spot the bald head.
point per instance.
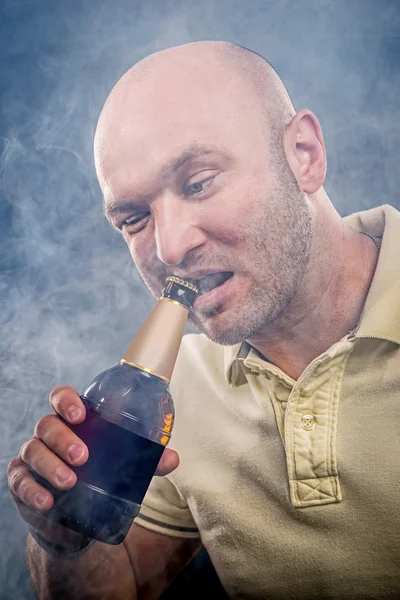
(249, 70)
(197, 157)
(200, 77)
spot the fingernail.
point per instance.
(74, 413)
(75, 452)
(41, 498)
(63, 474)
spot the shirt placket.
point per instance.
(306, 413)
(310, 425)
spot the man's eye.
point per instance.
(197, 187)
(134, 222)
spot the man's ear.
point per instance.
(305, 151)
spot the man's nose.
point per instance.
(176, 231)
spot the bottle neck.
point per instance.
(156, 345)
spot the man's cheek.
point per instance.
(153, 272)
(140, 255)
(143, 251)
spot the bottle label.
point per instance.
(120, 462)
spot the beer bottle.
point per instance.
(129, 419)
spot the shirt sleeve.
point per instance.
(165, 511)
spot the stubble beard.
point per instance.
(279, 245)
(279, 241)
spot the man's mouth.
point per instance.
(211, 281)
(213, 288)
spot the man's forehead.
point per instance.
(172, 86)
(151, 118)
(149, 139)
(118, 183)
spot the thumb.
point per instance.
(168, 462)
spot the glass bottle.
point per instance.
(129, 419)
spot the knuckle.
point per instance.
(43, 425)
(15, 462)
(18, 482)
(27, 449)
(60, 394)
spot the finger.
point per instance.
(66, 402)
(169, 462)
(34, 515)
(60, 439)
(25, 489)
(48, 465)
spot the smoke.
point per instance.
(70, 297)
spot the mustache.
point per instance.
(155, 272)
(197, 261)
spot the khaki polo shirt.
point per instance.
(294, 486)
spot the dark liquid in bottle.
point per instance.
(111, 484)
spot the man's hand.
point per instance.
(49, 452)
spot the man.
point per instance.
(287, 406)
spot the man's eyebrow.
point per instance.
(122, 207)
(192, 152)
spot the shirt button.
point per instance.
(308, 421)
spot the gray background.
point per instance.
(70, 297)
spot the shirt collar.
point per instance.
(233, 363)
(381, 314)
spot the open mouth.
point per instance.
(212, 281)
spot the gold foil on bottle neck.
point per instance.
(156, 345)
(142, 368)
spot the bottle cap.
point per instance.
(179, 290)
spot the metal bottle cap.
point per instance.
(180, 290)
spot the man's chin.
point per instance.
(217, 326)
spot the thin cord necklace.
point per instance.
(377, 243)
(374, 239)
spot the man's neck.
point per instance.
(328, 306)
